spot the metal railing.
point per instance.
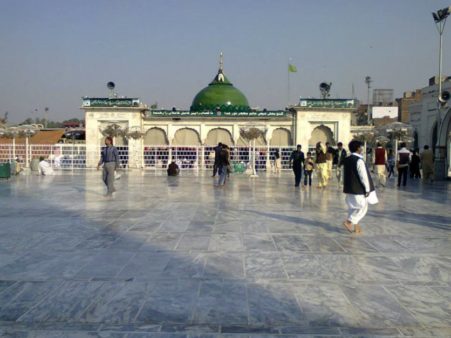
(74, 156)
(203, 157)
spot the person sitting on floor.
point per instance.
(173, 169)
(45, 167)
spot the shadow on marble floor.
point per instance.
(440, 222)
(158, 259)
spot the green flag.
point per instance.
(292, 68)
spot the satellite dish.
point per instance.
(324, 88)
(110, 85)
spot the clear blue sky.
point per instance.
(54, 52)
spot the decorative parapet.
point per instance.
(215, 114)
(327, 104)
(111, 102)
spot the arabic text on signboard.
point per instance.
(169, 113)
(327, 103)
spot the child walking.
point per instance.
(308, 169)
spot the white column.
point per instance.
(26, 152)
(202, 157)
(14, 148)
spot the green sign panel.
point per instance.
(110, 102)
(170, 113)
(328, 103)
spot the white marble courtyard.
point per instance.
(180, 258)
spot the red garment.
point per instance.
(380, 156)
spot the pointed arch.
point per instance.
(155, 136)
(259, 142)
(281, 137)
(186, 137)
(322, 134)
(217, 135)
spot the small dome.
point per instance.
(220, 94)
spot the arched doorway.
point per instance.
(259, 142)
(186, 137)
(154, 155)
(434, 137)
(415, 140)
(155, 136)
(219, 135)
(321, 134)
(281, 137)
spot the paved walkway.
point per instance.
(178, 258)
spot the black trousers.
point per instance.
(308, 175)
(402, 174)
(297, 176)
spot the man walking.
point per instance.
(403, 161)
(358, 186)
(330, 152)
(217, 151)
(321, 166)
(297, 162)
(380, 163)
(340, 155)
(110, 160)
(427, 163)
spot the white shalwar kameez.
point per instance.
(358, 204)
(45, 168)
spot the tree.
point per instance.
(4, 119)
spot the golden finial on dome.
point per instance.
(220, 76)
(221, 61)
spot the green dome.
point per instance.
(221, 94)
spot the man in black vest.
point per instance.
(357, 186)
(297, 162)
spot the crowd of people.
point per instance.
(352, 171)
(383, 164)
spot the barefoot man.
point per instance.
(358, 186)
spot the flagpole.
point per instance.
(288, 93)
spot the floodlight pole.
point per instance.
(440, 166)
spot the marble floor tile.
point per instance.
(325, 305)
(322, 244)
(273, 304)
(21, 296)
(291, 243)
(224, 265)
(222, 303)
(145, 265)
(258, 242)
(170, 301)
(120, 303)
(185, 267)
(67, 303)
(355, 245)
(226, 242)
(264, 265)
(426, 305)
(257, 259)
(105, 264)
(193, 242)
(162, 241)
(377, 307)
(323, 267)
